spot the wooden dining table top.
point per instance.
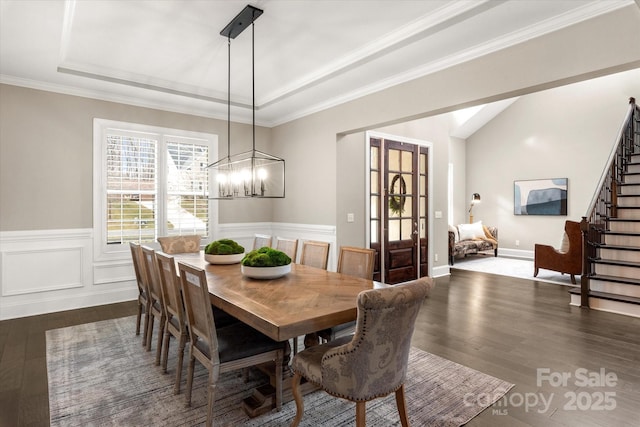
(306, 300)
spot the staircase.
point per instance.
(611, 231)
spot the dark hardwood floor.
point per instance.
(506, 327)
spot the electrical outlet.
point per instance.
(435, 257)
(517, 242)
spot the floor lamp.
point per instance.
(475, 198)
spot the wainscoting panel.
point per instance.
(40, 270)
(46, 271)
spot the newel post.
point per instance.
(584, 278)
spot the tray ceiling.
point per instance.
(309, 55)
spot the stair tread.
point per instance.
(603, 278)
(620, 247)
(615, 262)
(622, 233)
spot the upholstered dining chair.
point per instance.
(224, 349)
(565, 260)
(315, 254)
(156, 306)
(176, 322)
(373, 362)
(180, 244)
(143, 292)
(288, 246)
(261, 240)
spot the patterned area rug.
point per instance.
(514, 267)
(100, 375)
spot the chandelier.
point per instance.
(251, 174)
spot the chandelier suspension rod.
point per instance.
(229, 98)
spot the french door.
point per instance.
(398, 209)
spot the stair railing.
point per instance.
(604, 204)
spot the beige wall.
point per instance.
(46, 138)
(566, 132)
(46, 156)
(576, 53)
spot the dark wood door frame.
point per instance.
(407, 257)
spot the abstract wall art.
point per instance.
(540, 197)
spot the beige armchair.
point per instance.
(373, 362)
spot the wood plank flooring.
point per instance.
(502, 326)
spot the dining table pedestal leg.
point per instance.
(263, 399)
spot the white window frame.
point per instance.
(102, 251)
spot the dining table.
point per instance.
(302, 301)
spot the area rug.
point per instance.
(514, 267)
(99, 375)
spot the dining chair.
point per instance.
(288, 246)
(180, 244)
(156, 305)
(261, 240)
(357, 262)
(143, 292)
(315, 254)
(224, 349)
(373, 362)
(175, 318)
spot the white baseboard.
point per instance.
(515, 253)
(441, 271)
(601, 304)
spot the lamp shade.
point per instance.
(475, 198)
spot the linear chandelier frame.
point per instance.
(251, 174)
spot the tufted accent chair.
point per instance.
(373, 362)
(180, 244)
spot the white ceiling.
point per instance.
(309, 55)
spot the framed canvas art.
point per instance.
(540, 197)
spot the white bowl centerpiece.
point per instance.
(265, 263)
(223, 251)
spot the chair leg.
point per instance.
(402, 406)
(297, 395)
(535, 272)
(192, 362)
(361, 414)
(211, 395)
(150, 331)
(181, 345)
(295, 345)
(145, 329)
(160, 337)
(165, 349)
(138, 318)
(573, 279)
